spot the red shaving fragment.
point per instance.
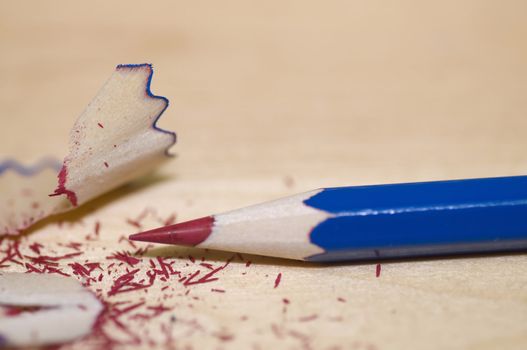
(128, 309)
(56, 270)
(142, 251)
(35, 247)
(158, 310)
(248, 263)
(106, 164)
(80, 270)
(133, 223)
(109, 318)
(137, 221)
(32, 268)
(96, 230)
(206, 278)
(342, 300)
(286, 303)
(308, 318)
(86, 270)
(191, 258)
(170, 220)
(46, 259)
(125, 257)
(302, 337)
(73, 245)
(100, 125)
(125, 239)
(207, 265)
(224, 336)
(165, 268)
(188, 280)
(124, 283)
(94, 265)
(15, 247)
(61, 188)
(277, 280)
(378, 270)
(11, 253)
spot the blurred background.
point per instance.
(340, 92)
(269, 98)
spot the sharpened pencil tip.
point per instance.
(188, 233)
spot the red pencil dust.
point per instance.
(170, 220)
(308, 318)
(133, 223)
(35, 247)
(124, 257)
(119, 274)
(277, 280)
(207, 265)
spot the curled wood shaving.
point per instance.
(60, 309)
(114, 141)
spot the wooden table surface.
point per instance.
(273, 98)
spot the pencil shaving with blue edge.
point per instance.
(115, 140)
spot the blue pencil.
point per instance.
(369, 222)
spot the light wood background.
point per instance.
(271, 98)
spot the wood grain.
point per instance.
(273, 98)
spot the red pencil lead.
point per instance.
(186, 233)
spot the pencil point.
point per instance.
(188, 233)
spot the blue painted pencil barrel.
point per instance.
(421, 219)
